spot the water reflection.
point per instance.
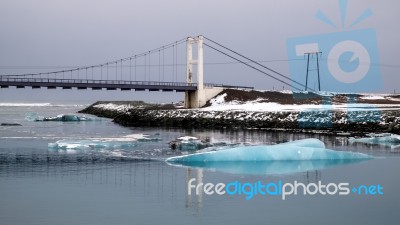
(194, 201)
(153, 179)
(268, 167)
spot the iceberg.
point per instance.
(386, 139)
(90, 144)
(290, 157)
(68, 118)
(62, 117)
(308, 149)
(188, 143)
(125, 142)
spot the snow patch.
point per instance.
(220, 99)
(114, 107)
(373, 97)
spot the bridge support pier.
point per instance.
(199, 97)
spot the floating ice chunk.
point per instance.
(387, 139)
(187, 138)
(33, 116)
(124, 142)
(61, 117)
(188, 143)
(133, 137)
(291, 157)
(68, 118)
(309, 149)
(90, 144)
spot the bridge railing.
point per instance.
(33, 81)
(83, 81)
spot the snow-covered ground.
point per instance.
(114, 107)
(260, 105)
(276, 107)
(269, 110)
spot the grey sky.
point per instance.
(78, 32)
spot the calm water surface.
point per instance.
(134, 185)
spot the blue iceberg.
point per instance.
(291, 157)
(386, 139)
(308, 149)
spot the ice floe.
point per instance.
(124, 142)
(62, 117)
(188, 143)
(386, 139)
(290, 157)
(308, 149)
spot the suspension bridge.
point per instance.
(153, 70)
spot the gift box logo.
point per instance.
(349, 61)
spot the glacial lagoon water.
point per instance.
(104, 177)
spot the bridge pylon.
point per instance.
(198, 98)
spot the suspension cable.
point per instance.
(251, 66)
(255, 62)
(102, 64)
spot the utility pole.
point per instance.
(308, 68)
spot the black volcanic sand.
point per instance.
(158, 115)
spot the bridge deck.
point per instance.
(5, 82)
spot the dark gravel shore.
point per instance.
(141, 114)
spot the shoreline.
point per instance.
(307, 112)
(138, 116)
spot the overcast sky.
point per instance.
(64, 33)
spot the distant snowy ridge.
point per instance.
(25, 104)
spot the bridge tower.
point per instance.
(198, 98)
